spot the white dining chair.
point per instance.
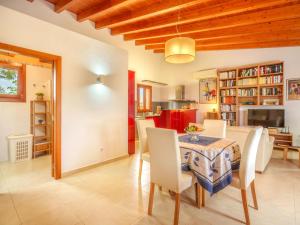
(214, 128)
(246, 175)
(165, 166)
(144, 152)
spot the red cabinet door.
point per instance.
(131, 112)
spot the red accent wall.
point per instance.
(131, 112)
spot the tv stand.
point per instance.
(284, 141)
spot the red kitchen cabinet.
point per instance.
(177, 119)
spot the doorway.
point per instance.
(54, 103)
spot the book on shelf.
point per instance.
(251, 92)
(228, 100)
(249, 72)
(227, 75)
(228, 108)
(249, 81)
(271, 79)
(228, 92)
(271, 91)
(227, 83)
(269, 69)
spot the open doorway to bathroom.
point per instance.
(29, 116)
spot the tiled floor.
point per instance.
(112, 195)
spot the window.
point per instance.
(12, 83)
(144, 98)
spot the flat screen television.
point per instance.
(266, 117)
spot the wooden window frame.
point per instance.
(145, 87)
(21, 96)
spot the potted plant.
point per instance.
(39, 96)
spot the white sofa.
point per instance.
(265, 148)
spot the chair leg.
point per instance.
(254, 195)
(299, 156)
(203, 196)
(177, 209)
(198, 195)
(285, 153)
(141, 169)
(245, 206)
(151, 196)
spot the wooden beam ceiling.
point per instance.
(214, 24)
(193, 14)
(156, 8)
(61, 5)
(249, 18)
(283, 26)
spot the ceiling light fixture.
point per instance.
(180, 49)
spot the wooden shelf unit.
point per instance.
(249, 85)
(40, 118)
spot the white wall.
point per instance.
(15, 117)
(93, 116)
(183, 74)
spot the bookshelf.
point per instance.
(41, 126)
(250, 85)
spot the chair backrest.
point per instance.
(214, 128)
(165, 159)
(141, 127)
(248, 158)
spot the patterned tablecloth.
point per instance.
(212, 160)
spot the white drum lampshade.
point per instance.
(180, 50)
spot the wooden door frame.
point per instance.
(55, 100)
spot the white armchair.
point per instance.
(265, 148)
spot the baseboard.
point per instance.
(72, 172)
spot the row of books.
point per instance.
(228, 108)
(227, 83)
(248, 72)
(271, 79)
(228, 100)
(249, 81)
(228, 116)
(228, 92)
(271, 69)
(228, 75)
(270, 91)
(247, 92)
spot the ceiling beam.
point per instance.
(158, 7)
(275, 26)
(272, 44)
(266, 15)
(197, 13)
(61, 5)
(267, 37)
(103, 8)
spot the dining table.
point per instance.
(211, 160)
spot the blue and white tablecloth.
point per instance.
(212, 160)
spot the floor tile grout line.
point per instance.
(13, 202)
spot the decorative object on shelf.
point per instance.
(208, 91)
(180, 49)
(293, 89)
(39, 96)
(271, 102)
(40, 121)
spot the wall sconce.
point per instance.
(99, 79)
